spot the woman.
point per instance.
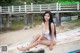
(48, 34)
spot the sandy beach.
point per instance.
(15, 37)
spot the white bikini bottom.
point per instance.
(49, 37)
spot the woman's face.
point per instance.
(47, 17)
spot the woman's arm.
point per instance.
(52, 38)
(52, 30)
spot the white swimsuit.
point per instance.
(47, 35)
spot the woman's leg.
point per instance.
(42, 42)
(28, 47)
(45, 42)
(35, 43)
(35, 38)
(32, 44)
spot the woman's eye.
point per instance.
(47, 16)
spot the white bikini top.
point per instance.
(46, 32)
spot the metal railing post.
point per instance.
(57, 6)
(31, 6)
(0, 9)
(8, 9)
(19, 8)
(25, 7)
(12, 8)
(77, 5)
(40, 8)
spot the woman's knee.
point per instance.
(44, 42)
(38, 35)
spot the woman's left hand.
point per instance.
(51, 47)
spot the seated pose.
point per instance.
(48, 35)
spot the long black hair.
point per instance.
(50, 21)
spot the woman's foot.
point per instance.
(23, 49)
(51, 47)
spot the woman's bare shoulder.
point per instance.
(52, 24)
